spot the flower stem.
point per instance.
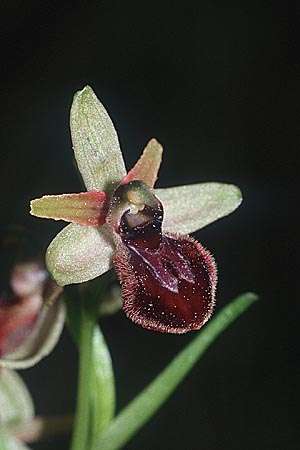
(144, 406)
(82, 417)
(103, 386)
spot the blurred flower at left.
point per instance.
(31, 310)
(16, 411)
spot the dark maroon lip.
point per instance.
(171, 290)
(168, 281)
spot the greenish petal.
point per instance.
(95, 142)
(85, 208)
(41, 341)
(189, 208)
(147, 167)
(79, 253)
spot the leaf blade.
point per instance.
(103, 401)
(140, 410)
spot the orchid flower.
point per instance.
(168, 279)
(31, 316)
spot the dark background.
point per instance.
(218, 84)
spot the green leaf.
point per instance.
(189, 208)
(142, 408)
(95, 142)
(96, 387)
(80, 435)
(16, 406)
(103, 385)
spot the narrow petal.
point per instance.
(95, 142)
(147, 167)
(85, 208)
(79, 254)
(41, 341)
(189, 208)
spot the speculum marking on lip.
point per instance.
(168, 281)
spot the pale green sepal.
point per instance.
(189, 208)
(8, 442)
(41, 341)
(95, 142)
(16, 406)
(79, 253)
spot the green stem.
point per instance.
(144, 406)
(82, 417)
(3, 441)
(103, 386)
(96, 405)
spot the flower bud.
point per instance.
(31, 316)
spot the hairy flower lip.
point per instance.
(84, 250)
(165, 320)
(168, 281)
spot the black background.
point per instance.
(218, 84)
